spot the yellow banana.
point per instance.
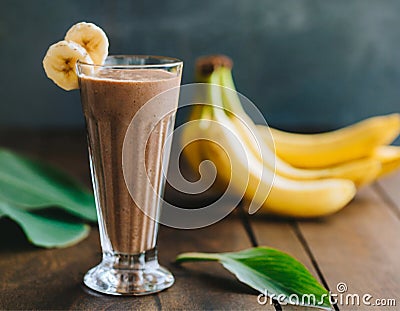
(326, 149)
(189, 140)
(383, 161)
(389, 156)
(250, 170)
(250, 176)
(361, 172)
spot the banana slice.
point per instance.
(92, 38)
(59, 63)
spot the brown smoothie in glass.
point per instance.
(110, 100)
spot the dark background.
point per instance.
(307, 64)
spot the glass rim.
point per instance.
(170, 62)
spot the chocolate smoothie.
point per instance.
(110, 99)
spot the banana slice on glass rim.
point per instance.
(59, 63)
(85, 42)
(92, 38)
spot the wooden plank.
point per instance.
(206, 285)
(282, 235)
(360, 247)
(33, 278)
(389, 187)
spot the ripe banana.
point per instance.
(250, 170)
(192, 146)
(92, 38)
(85, 42)
(353, 142)
(252, 177)
(59, 63)
(301, 199)
(361, 172)
(389, 156)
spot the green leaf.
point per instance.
(270, 271)
(46, 232)
(31, 184)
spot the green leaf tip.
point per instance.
(31, 184)
(27, 186)
(270, 272)
(46, 232)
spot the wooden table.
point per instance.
(359, 246)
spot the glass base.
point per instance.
(124, 274)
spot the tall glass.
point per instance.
(111, 95)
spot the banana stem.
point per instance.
(214, 92)
(231, 97)
(217, 70)
(225, 97)
(204, 109)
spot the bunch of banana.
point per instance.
(244, 154)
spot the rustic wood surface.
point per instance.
(359, 246)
